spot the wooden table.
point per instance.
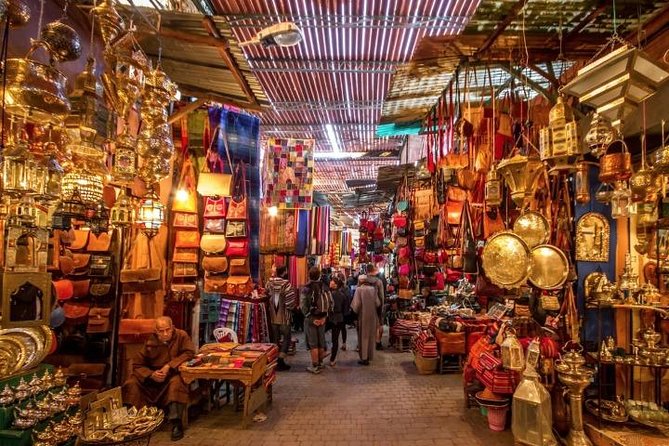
(249, 376)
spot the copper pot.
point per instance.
(615, 166)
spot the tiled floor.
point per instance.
(387, 403)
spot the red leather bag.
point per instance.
(215, 207)
(237, 248)
(400, 221)
(237, 209)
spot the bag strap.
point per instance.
(239, 191)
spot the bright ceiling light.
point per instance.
(282, 34)
(332, 137)
(337, 155)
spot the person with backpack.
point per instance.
(316, 304)
(282, 302)
(366, 303)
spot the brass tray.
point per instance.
(592, 405)
(533, 228)
(550, 267)
(32, 339)
(12, 355)
(506, 260)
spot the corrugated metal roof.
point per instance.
(341, 72)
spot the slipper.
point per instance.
(259, 417)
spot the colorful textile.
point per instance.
(289, 173)
(247, 319)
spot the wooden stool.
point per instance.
(450, 363)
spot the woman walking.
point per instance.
(365, 303)
(340, 304)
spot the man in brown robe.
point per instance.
(155, 380)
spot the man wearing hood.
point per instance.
(374, 280)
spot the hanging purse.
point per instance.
(183, 220)
(235, 228)
(99, 320)
(146, 279)
(215, 207)
(237, 210)
(240, 267)
(64, 289)
(81, 262)
(186, 202)
(76, 312)
(80, 288)
(185, 292)
(80, 239)
(237, 248)
(213, 243)
(214, 225)
(184, 269)
(187, 239)
(214, 284)
(100, 289)
(213, 182)
(99, 243)
(185, 255)
(100, 266)
(469, 263)
(215, 264)
(239, 286)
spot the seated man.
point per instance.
(155, 380)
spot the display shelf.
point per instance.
(595, 355)
(664, 311)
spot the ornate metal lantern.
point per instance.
(124, 166)
(558, 143)
(89, 186)
(513, 357)
(616, 83)
(99, 220)
(69, 208)
(151, 214)
(582, 182)
(600, 134)
(123, 211)
(520, 173)
(19, 170)
(493, 188)
(532, 422)
(621, 201)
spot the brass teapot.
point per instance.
(6, 396)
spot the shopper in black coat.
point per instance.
(341, 306)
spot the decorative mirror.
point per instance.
(26, 299)
(593, 233)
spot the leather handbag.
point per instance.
(99, 243)
(213, 182)
(64, 289)
(186, 255)
(214, 284)
(235, 229)
(135, 331)
(184, 292)
(184, 220)
(423, 203)
(101, 266)
(238, 286)
(80, 240)
(237, 210)
(142, 279)
(237, 248)
(81, 262)
(66, 262)
(215, 264)
(80, 288)
(186, 202)
(215, 207)
(76, 311)
(99, 320)
(240, 267)
(184, 269)
(214, 225)
(187, 239)
(100, 289)
(213, 243)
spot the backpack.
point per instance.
(321, 301)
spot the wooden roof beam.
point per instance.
(529, 82)
(210, 26)
(500, 28)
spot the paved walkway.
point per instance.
(387, 403)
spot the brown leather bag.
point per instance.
(81, 262)
(80, 239)
(187, 239)
(76, 311)
(146, 279)
(135, 331)
(239, 286)
(186, 255)
(98, 320)
(215, 264)
(214, 284)
(240, 267)
(80, 288)
(99, 243)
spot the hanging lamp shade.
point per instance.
(89, 186)
(520, 172)
(617, 83)
(559, 141)
(123, 212)
(151, 214)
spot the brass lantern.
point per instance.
(582, 182)
(617, 83)
(151, 214)
(124, 166)
(89, 186)
(558, 143)
(513, 357)
(600, 134)
(532, 419)
(123, 211)
(19, 170)
(99, 220)
(621, 201)
(520, 173)
(493, 187)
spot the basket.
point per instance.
(426, 366)
(497, 418)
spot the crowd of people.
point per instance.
(327, 302)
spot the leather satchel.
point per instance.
(100, 289)
(235, 229)
(215, 207)
(215, 264)
(99, 243)
(237, 210)
(184, 291)
(214, 284)
(81, 262)
(99, 320)
(135, 331)
(142, 280)
(213, 182)
(76, 311)
(100, 266)
(187, 239)
(64, 289)
(184, 269)
(240, 267)
(213, 243)
(80, 239)
(214, 225)
(80, 288)
(239, 286)
(237, 248)
(184, 220)
(186, 255)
